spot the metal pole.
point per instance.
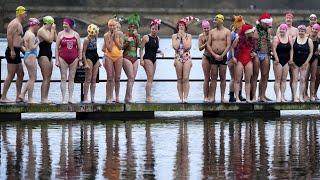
(0, 77)
(81, 93)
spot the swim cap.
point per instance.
(156, 22)
(302, 28)
(20, 10)
(219, 18)
(48, 20)
(316, 26)
(283, 27)
(33, 22)
(313, 17)
(205, 24)
(69, 21)
(93, 29)
(134, 20)
(112, 22)
(289, 15)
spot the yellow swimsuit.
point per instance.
(115, 53)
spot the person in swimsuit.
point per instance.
(113, 59)
(312, 71)
(312, 21)
(68, 53)
(219, 43)
(91, 61)
(292, 32)
(302, 54)
(181, 43)
(206, 67)
(30, 58)
(150, 43)
(262, 60)
(238, 21)
(283, 53)
(244, 46)
(131, 44)
(12, 54)
(47, 34)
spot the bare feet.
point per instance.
(20, 98)
(248, 101)
(5, 100)
(266, 98)
(31, 102)
(86, 102)
(71, 101)
(278, 100)
(238, 100)
(283, 99)
(296, 99)
(302, 99)
(223, 101)
(306, 98)
(46, 101)
(149, 100)
(313, 99)
(206, 100)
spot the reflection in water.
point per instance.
(231, 149)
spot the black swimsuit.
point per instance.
(283, 52)
(17, 59)
(300, 53)
(45, 50)
(152, 47)
(91, 52)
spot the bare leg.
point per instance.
(277, 68)
(128, 69)
(72, 73)
(238, 78)
(185, 79)
(213, 83)
(206, 71)
(46, 71)
(248, 71)
(117, 76)
(265, 68)
(283, 85)
(150, 69)
(87, 80)
(303, 80)
(31, 64)
(317, 82)
(12, 69)
(20, 75)
(295, 74)
(254, 80)
(108, 65)
(95, 71)
(313, 72)
(222, 76)
(291, 82)
(63, 86)
(232, 68)
(179, 71)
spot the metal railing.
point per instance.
(121, 80)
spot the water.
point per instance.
(194, 148)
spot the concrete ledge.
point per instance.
(115, 115)
(287, 106)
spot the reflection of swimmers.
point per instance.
(91, 61)
(30, 58)
(283, 53)
(131, 44)
(181, 43)
(68, 53)
(202, 41)
(113, 59)
(262, 60)
(148, 59)
(219, 43)
(14, 66)
(244, 45)
(302, 53)
(46, 34)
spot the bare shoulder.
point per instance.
(227, 30)
(174, 35)
(189, 35)
(145, 38)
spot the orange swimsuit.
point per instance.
(115, 53)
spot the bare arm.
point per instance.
(228, 38)
(310, 50)
(187, 42)
(84, 49)
(11, 31)
(274, 48)
(57, 49)
(175, 41)
(145, 39)
(118, 39)
(291, 50)
(79, 46)
(201, 43)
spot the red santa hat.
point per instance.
(247, 28)
(265, 18)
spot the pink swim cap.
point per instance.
(33, 22)
(316, 27)
(205, 24)
(302, 28)
(283, 27)
(69, 21)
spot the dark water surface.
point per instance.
(193, 148)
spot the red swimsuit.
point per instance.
(245, 48)
(68, 49)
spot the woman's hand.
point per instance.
(142, 62)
